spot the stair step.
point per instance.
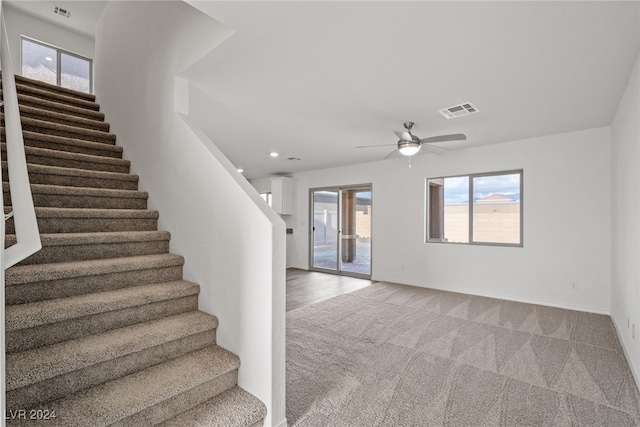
(79, 197)
(52, 105)
(58, 129)
(44, 156)
(66, 119)
(62, 247)
(26, 89)
(38, 282)
(150, 396)
(60, 143)
(68, 220)
(68, 177)
(234, 407)
(48, 322)
(48, 373)
(53, 88)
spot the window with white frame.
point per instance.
(55, 66)
(475, 209)
(266, 197)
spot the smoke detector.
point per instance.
(458, 110)
(62, 12)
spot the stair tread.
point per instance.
(42, 363)
(49, 105)
(21, 274)
(45, 152)
(116, 400)
(54, 88)
(234, 407)
(83, 173)
(23, 316)
(97, 238)
(68, 141)
(83, 191)
(74, 130)
(59, 97)
(51, 212)
(63, 140)
(55, 117)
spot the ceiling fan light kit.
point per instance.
(410, 144)
(408, 148)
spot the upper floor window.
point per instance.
(55, 66)
(476, 209)
(267, 198)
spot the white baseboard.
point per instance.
(507, 298)
(634, 368)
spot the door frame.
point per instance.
(339, 270)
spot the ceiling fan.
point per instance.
(410, 144)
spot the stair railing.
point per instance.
(24, 215)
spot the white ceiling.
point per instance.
(314, 80)
(84, 14)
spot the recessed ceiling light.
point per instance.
(274, 154)
(240, 170)
(48, 58)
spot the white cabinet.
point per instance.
(282, 195)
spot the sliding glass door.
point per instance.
(341, 230)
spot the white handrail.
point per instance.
(24, 216)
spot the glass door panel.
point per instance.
(356, 231)
(341, 230)
(325, 230)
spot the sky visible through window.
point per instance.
(456, 189)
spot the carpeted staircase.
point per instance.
(100, 327)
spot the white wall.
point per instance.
(625, 289)
(21, 24)
(232, 242)
(567, 220)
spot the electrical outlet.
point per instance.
(573, 286)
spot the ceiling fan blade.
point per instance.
(403, 135)
(373, 146)
(431, 149)
(442, 138)
(393, 154)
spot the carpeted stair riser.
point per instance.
(65, 119)
(94, 314)
(31, 283)
(153, 395)
(233, 407)
(36, 395)
(183, 402)
(62, 220)
(79, 197)
(55, 89)
(48, 175)
(58, 107)
(56, 129)
(26, 89)
(58, 143)
(43, 156)
(56, 371)
(67, 177)
(82, 247)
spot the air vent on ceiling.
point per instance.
(293, 158)
(458, 110)
(62, 12)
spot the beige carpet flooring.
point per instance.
(394, 355)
